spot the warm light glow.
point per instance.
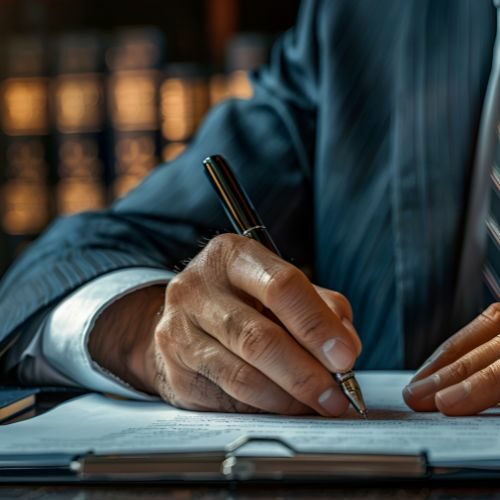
(79, 102)
(77, 195)
(133, 100)
(183, 104)
(25, 102)
(239, 85)
(25, 209)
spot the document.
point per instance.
(96, 423)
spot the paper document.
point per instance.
(103, 425)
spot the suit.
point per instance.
(357, 149)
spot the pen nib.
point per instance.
(352, 391)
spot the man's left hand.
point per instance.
(463, 376)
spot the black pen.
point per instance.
(247, 222)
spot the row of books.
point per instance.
(85, 117)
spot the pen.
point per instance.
(247, 222)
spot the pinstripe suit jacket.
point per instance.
(357, 149)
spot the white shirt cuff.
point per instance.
(66, 331)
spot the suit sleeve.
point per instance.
(269, 140)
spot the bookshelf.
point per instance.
(94, 95)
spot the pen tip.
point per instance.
(364, 414)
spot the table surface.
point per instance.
(395, 492)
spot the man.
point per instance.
(358, 148)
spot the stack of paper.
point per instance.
(102, 425)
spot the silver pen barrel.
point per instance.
(350, 387)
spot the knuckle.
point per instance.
(221, 244)
(169, 323)
(281, 280)
(491, 349)
(304, 387)
(493, 312)
(495, 307)
(450, 350)
(174, 339)
(220, 252)
(178, 289)
(310, 327)
(159, 335)
(495, 345)
(461, 369)
(490, 377)
(230, 322)
(241, 380)
(343, 303)
(162, 331)
(256, 340)
(216, 244)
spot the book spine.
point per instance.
(134, 61)
(78, 103)
(184, 101)
(26, 200)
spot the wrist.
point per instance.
(140, 359)
(121, 336)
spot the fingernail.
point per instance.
(454, 394)
(331, 402)
(339, 355)
(423, 387)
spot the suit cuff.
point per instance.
(66, 331)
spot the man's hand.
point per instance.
(241, 330)
(463, 376)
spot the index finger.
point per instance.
(286, 291)
(477, 332)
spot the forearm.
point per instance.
(122, 334)
(55, 351)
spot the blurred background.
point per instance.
(94, 94)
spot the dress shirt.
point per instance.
(58, 353)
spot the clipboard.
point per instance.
(226, 466)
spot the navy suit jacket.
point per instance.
(357, 148)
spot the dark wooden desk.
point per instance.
(401, 492)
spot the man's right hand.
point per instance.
(240, 330)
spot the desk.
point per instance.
(396, 492)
